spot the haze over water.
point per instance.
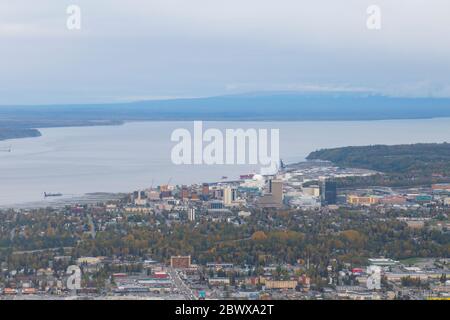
(136, 155)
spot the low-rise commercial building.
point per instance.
(180, 262)
(218, 281)
(362, 200)
(281, 284)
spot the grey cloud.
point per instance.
(169, 48)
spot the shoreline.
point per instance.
(87, 198)
(23, 131)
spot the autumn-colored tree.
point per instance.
(259, 236)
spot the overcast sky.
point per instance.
(147, 49)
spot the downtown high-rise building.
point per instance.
(276, 190)
(328, 192)
(274, 197)
(229, 196)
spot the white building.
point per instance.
(305, 202)
(313, 191)
(191, 214)
(244, 214)
(257, 181)
(447, 201)
(229, 196)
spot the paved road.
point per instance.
(181, 285)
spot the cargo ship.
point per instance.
(52, 194)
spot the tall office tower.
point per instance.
(233, 195)
(276, 190)
(227, 196)
(191, 214)
(328, 192)
(274, 198)
(184, 192)
(205, 189)
(205, 192)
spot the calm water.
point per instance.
(136, 155)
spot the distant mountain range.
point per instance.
(267, 106)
